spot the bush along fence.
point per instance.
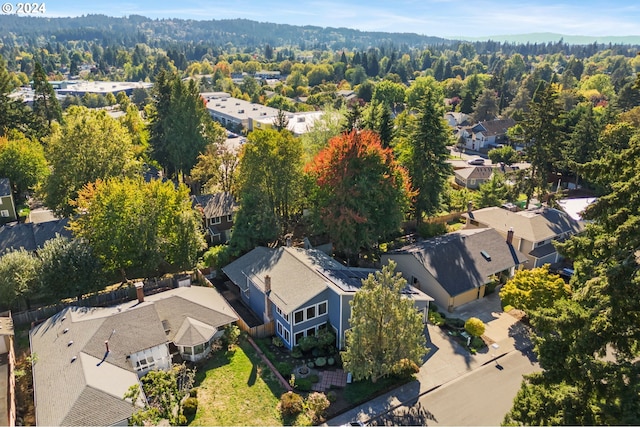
(106, 299)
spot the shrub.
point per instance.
(311, 365)
(332, 396)
(290, 403)
(296, 352)
(193, 392)
(436, 318)
(507, 308)
(190, 406)
(217, 256)
(326, 337)
(303, 384)
(454, 322)
(307, 343)
(331, 361)
(231, 335)
(477, 343)
(317, 404)
(277, 341)
(314, 378)
(474, 326)
(321, 361)
(431, 229)
(285, 368)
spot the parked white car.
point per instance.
(476, 161)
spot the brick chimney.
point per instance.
(510, 236)
(106, 344)
(140, 291)
(267, 284)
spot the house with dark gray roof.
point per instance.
(88, 357)
(217, 214)
(31, 236)
(302, 291)
(534, 231)
(457, 267)
(7, 204)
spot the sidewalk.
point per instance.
(447, 360)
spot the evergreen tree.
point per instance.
(425, 155)
(13, 113)
(386, 335)
(46, 107)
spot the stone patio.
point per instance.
(337, 378)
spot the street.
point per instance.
(481, 397)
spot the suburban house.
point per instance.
(457, 267)
(302, 290)
(473, 177)
(7, 204)
(533, 231)
(88, 357)
(298, 123)
(455, 119)
(217, 213)
(7, 372)
(485, 134)
(32, 236)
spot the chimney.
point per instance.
(267, 284)
(140, 291)
(469, 206)
(106, 344)
(510, 236)
(267, 301)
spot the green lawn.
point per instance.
(234, 388)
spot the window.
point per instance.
(229, 218)
(311, 332)
(283, 332)
(216, 220)
(4, 213)
(322, 308)
(188, 350)
(298, 336)
(198, 349)
(282, 314)
(310, 312)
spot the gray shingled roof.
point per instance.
(215, 205)
(31, 236)
(89, 390)
(476, 172)
(534, 226)
(456, 262)
(294, 272)
(5, 187)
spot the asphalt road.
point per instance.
(480, 398)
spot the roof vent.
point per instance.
(65, 330)
(73, 359)
(485, 255)
(69, 343)
(63, 318)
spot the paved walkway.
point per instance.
(336, 378)
(447, 360)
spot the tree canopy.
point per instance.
(387, 333)
(22, 160)
(90, 145)
(136, 225)
(363, 193)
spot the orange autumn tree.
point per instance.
(362, 193)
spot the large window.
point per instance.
(310, 312)
(283, 332)
(216, 220)
(310, 332)
(282, 314)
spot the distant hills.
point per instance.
(241, 33)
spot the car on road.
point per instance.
(476, 161)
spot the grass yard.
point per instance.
(234, 388)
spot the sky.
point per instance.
(442, 18)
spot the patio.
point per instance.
(337, 378)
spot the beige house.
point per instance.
(533, 231)
(474, 176)
(457, 267)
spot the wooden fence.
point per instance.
(260, 331)
(117, 296)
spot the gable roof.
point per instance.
(32, 236)
(494, 127)
(89, 389)
(475, 172)
(5, 187)
(215, 205)
(534, 226)
(456, 261)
